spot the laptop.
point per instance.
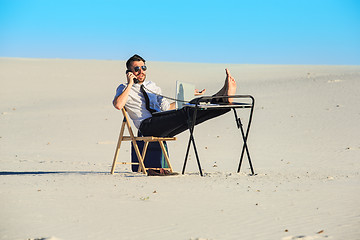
(184, 92)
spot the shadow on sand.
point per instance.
(8, 173)
(34, 173)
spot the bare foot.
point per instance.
(230, 85)
(228, 89)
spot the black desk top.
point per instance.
(220, 105)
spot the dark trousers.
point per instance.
(171, 123)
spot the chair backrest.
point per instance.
(126, 120)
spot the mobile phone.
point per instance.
(135, 79)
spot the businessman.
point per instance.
(150, 111)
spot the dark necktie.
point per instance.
(147, 101)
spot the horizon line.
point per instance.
(94, 59)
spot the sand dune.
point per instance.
(58, 132)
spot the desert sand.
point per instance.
(58, 131)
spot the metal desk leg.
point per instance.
(244, 137)
(191, 139)
(186, 155)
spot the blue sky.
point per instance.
(253, 31)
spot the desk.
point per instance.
(205, 103)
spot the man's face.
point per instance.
(141, 73)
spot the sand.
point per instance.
(58, 132)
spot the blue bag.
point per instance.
(154, 157)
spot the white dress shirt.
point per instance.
(136, 105)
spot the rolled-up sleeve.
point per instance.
(119, 91)
(165, 105)
(163, 102)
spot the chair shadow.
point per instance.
(9, 173)
(124, 174)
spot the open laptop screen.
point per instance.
(184, 92)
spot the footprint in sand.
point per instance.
(303, 237)
(335, 81)
(46, 238)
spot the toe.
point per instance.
(227, 72)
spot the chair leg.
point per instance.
(140, 158)
(165, 154)
(144, 153)
(118, 147)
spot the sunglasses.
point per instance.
(136, 69)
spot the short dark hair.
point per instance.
(134, 58)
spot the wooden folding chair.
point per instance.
(133, 139)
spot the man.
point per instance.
(141, 100)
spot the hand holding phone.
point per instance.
(135, 79)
